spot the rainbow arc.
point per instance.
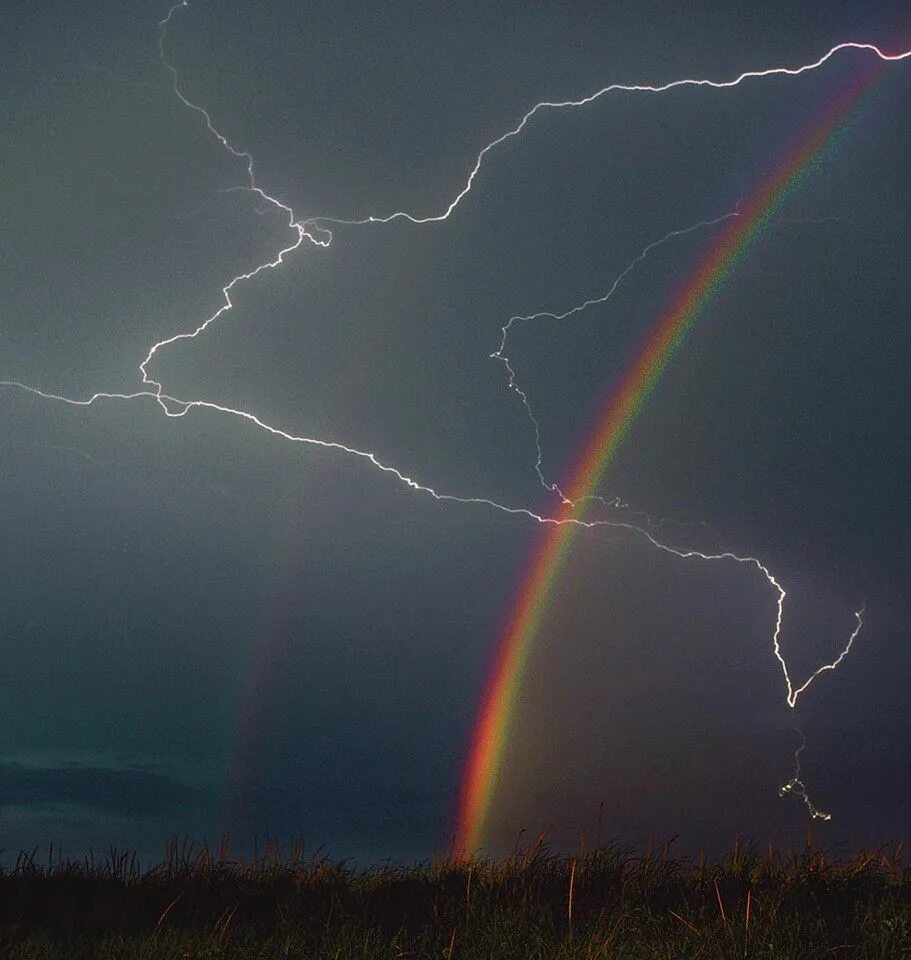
(497, 710)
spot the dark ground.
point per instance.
(610, 903)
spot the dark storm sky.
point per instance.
(205, 629)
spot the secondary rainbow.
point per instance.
(497, 708)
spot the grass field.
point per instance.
(612, 903)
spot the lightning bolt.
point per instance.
(796, 786)
(500, 353)
(614, 88)
(314, 231)
(301, 229)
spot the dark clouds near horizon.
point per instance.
(205, 629)
(126, 792)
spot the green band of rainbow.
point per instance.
(492, 727)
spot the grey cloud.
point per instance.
(128, 792)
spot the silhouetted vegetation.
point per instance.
(613, 904)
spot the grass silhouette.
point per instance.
(613, 903)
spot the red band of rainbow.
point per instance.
(497, 708)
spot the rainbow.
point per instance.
(492, 727)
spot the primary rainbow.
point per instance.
(623, 406)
